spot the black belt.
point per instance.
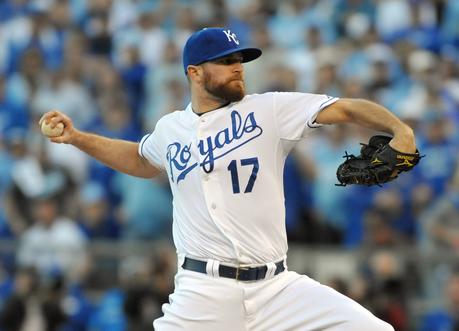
(238, 273)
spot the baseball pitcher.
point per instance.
(224, 157)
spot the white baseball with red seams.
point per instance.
(48, 131)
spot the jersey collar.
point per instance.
(191, 113)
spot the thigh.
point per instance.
(203, 303)
(298, 302)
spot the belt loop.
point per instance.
(180, 260)
(215, 268)
(212, 267)
(271, 270)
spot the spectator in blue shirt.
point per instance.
(445, 318)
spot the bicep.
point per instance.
(147, 170)
(335, 113)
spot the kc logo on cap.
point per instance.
(212, 43)
(231, 36)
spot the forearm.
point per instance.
(376, 117)
(372, 116)
(117, 154)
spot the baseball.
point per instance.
(52, 132)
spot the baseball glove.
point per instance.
(377, 163)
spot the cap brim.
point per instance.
(248, 54)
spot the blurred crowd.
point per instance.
(115, 68)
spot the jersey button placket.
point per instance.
(214, 199)
(205, 177)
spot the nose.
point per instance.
(238, 67)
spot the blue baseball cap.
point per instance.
(212, 43)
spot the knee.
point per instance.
(368, 323)
(374, 324)
(383, 326)
(389, 327)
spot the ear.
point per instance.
(194, 72)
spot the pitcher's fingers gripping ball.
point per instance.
(51, 130)
(56, 126)
(377, 163)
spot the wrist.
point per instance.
(404, 140)
(404, 131)
(76, 137)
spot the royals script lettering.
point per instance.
(211, 148)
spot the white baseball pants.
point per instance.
(288, 301)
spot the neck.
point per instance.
(203, 103)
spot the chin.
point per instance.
(230, 92)
(239, 90)
(237, 95)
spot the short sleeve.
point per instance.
(149, 149)
(295, 112)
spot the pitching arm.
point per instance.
(372, 116)
(117, 154)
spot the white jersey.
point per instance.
(225, 170)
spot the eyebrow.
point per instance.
(235, 56)
(231, 57)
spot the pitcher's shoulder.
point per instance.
(167, 122)
(258, 96)
(173, 116)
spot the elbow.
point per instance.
(349, 109)
(147, 175)
(144, 169)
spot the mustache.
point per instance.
(236, 77)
